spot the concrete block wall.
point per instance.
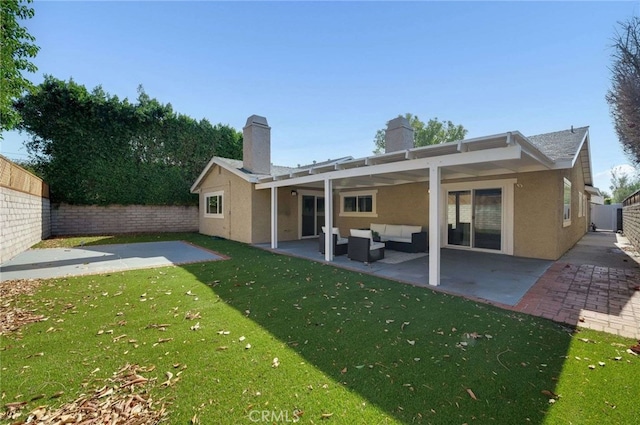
(631, 224)
(24, 221)
(113, 219)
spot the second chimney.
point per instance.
(256, 145)
(398, 136)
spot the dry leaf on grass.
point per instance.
(122, 400)
(471, 394)
(12, 317)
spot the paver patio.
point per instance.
(600, 298)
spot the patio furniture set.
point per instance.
(368, 245)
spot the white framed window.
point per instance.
(581, 204)
(358, 204)
(566, 210)
(213, 204)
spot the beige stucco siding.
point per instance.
(287, 215)
(401, 204)
(537, 214)
(571, 235)
(236, 203)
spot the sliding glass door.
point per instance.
(312, 215)
(474, 218)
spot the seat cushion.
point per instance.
(399, 239)
(361, 233)
(376, 245)
(380, 228)
(342, 241)
(407, 231)
(393, 230)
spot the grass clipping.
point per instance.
(124, 399)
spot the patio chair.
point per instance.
(363, 248)
(339, 243)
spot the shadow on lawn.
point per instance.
(421, 356)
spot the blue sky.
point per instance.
(327, 75)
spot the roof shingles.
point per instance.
(560, 145)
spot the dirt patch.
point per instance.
(12, 317)
(122, 399)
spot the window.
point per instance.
(566, 215)
(580, 204)
(213, 205)
(358, 204)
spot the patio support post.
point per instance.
(328, 219)
(274, 218)
(434, 225)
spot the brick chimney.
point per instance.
(398, 136)
(256, 145)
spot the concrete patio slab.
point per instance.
(494, 278)
(60, 262)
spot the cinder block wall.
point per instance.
(113, 219)
(631, 224)
(24, 221)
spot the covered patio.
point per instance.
(495, 278)
(447, 176)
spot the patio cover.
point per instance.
(505, 153)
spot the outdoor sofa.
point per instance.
(402, 237)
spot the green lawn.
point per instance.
(350, 348)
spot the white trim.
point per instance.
(435, 220)
(506, 153)
(566, 222)
(220, 194)
(350, 194)
(328, 219)
(274, 218)
(508, 196)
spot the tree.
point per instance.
(431, 133)
(93, 148)
(624, 95)
(16, 50)
(622, 186)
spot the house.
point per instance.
(505, 193)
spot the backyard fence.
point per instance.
(631, 219)
(69, 219)
(24, 209)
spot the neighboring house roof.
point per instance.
(488, 155)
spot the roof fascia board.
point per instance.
(474, 157)
(202, 175)
(577, 154)
(215, 161)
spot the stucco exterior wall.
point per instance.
(570, 235)
(25, 220)
(538, 201)
(402, 204)
(236, 204)
(538, 230)
(247, 211)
